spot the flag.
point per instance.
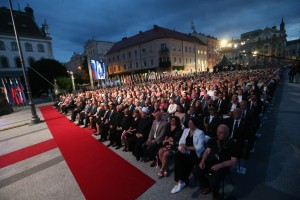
(22, 88)
(18, 91)
(5, 91)
(13, 93)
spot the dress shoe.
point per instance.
(114, 145)
(146, 160)
(205, 191)
(110, 144)
(153, 163)
(85, 127)
(118, 147)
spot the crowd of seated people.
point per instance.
(206, 120)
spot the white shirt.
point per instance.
(172, 108)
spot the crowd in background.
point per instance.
(206, 120)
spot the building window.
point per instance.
(118, 58)
(151, 62)
(179, 60)
(125, 67)
(4, 62)
(129, 54)
(136, 65)
(109, 60)
(123, 56)
(135, 53)
(14, 46)
(190, 49)
(119, 68)
(163, 46)
(150, 49)
(145, 63)
(30, 61)
(40, 48)
(130, 65)
(185, 49)
(28, 47)
(174, 59)
(2, 46)
(18, 62)
(113, 59)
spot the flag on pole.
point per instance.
(13, 93)
(18, 91)
(5, 91)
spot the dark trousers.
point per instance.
(137, 150)
(74, 113)
(184, 164)
(151, 150)
(115, 137)
(212, 179)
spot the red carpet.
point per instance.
(99, 172)
(22, 154)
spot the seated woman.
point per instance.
(220, 155)
(127, 134)
(170, 145)
(181, 114)
(191, 147)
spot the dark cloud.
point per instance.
(72, 23)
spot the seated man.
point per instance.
(220, 155)
(154, 141)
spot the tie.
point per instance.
(110, 114)
(243, 115)
(235, 127)
(155, 134)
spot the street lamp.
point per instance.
(34, 118)
(72, 79)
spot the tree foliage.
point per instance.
(45, 69)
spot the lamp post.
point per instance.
(34, 118)
(72, 79)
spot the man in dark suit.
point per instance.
(221, 105)
(211, 122)
(113, 121)
(233, 104)
(255, 104)
(123, 123)
(131, 106)
(238, 128)
(107, 122)
(191, 114)
(78, 108)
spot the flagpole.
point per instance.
(34, 118)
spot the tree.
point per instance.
(44, 71)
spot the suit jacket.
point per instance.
(256, 108)
(161, 130)
(115, 119)
(125, 122)
(197, 117)
(222, 107)
(230, 105)
(242, 131)
(210, 129)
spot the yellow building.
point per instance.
(159, 49)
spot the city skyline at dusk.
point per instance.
(72, 23)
